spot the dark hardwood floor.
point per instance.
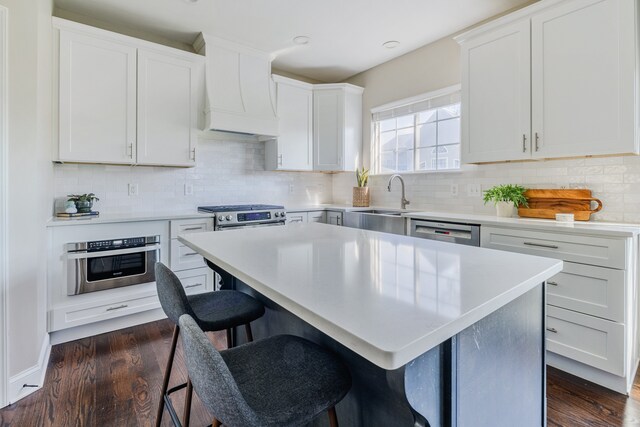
(114, 379)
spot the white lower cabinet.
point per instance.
(591, 315)
(334, 217)
(317, 216)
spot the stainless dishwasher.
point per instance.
(463, 234)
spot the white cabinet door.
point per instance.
(583, 77)
(295, 125)
(328, 129)
(167, 109)
(496, 95)
(97, 104)
(317, 216)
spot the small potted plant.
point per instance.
(361, 192)
(506, 197)
(84, 202)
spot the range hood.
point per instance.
(240, 96)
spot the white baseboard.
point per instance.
(16, 389)
(613, 382)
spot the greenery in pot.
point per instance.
(84, 202)
(506, 193)
(362, 176)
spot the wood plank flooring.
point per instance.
(114, 379)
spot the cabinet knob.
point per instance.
(524, 143)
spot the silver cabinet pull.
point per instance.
(554, 330)
(540, 245)
(193, 228)
(117, 307)
(279, 159)
(130, 151)
(524, 143)
(191, 254)
(193, 155)
(537, 140)
(549, 282)
(193, 286)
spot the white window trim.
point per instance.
(402, 102)
(4, 141)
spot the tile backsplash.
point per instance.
(227, 172)
(614, 180)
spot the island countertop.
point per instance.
(388, 298)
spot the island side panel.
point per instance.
(500, 360)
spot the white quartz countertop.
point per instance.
(126, 217)
(389, 298)
(585, 227)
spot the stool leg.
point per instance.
(333, 418)
(187, 404)
(247, 328)
(216, 423)
(167, 374)
(229, 340)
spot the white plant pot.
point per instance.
(505, 209)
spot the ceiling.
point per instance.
(346, 35)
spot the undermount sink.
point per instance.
(385, 220)
(380, 212)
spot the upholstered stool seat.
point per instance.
(278, 381)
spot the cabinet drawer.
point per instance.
(601, 251)
(70, 316)
(196, 225)
(184, 258)
(587, 339)
(197, 280)
(591, 290)
(316, 216)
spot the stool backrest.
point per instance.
(173, 298)
(212, 379)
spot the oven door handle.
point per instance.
(97, 254)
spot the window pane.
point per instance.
(449, 112)
(427, 116)
(426, 159)
(405, 121)
(388, 124)
(449, 159)
(388, 161)
(388, 141)
(449, 132)
(405, 139)
(405, 160)
(426, 134)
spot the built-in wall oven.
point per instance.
(107, 264)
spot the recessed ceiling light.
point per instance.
(301, 40)
(391, 44)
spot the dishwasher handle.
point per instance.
(465, 234)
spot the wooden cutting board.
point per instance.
(547, 203)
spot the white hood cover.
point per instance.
(239, 89)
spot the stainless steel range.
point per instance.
(229, 217)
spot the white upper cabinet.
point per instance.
(97, 101)
(125, 101)
(496, 111)
(577, 100)
(337, 127)
(167, 109)
(293, 148)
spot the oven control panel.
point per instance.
(106, 245)
(254, 216)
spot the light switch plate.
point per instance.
(454, 189)
(474, 190)
(133, 189)
(188, 189)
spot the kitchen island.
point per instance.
(434, 333)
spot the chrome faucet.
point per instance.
(403, 202)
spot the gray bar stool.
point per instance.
(279, 381)
(213, 311)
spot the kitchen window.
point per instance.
(418, 134)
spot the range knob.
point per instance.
(277, 214)
(220, 218)
(283, 214)
(229, 217)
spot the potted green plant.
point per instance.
(84, 202)
(506, 197)
(361, 192)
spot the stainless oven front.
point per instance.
(108, 264)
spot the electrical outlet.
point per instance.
(290, 188)
(188, 189)
(454, 190)
(474, 190)
(133, 189)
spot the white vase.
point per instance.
(504, 209)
